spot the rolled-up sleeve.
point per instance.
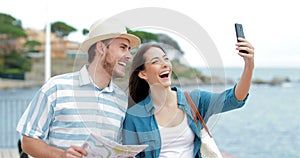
(231, 102)
(214, 103)
(36, 119)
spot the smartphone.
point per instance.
(239, 33)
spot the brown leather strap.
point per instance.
(196, 113)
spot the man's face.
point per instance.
(116, 57)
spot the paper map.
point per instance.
(101, 147)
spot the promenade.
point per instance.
(9, 153)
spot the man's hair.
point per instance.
(92, 52)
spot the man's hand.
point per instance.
(75, 152)
(39, 149)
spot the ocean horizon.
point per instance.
(266, 73)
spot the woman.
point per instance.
(160, 115)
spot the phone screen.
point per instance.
(239, 30)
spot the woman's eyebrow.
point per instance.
(158, 57)
(154, 58)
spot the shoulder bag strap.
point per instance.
(196, 113)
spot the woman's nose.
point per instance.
(165, 63)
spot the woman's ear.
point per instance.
(142, 75)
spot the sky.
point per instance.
(272, 27)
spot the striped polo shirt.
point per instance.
(70, 106)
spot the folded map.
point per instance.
(101, 147)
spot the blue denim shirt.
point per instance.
(140, 126)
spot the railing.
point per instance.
(11, 111)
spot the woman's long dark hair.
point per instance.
(139, 88)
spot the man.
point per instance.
(70, 106)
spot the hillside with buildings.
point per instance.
(29, 45)
(60, 47)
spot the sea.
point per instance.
(268, 126)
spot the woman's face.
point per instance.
(158, 68)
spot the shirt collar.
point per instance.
(148, 104)
(181, 99)
(182, 102)
(85, 79)
(110, 87)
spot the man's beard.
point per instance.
(110, 66)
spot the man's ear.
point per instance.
(142, 75)
(99, 47)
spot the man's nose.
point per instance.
(128, 54)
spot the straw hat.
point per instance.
(106, 29)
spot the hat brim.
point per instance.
(134, 41)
